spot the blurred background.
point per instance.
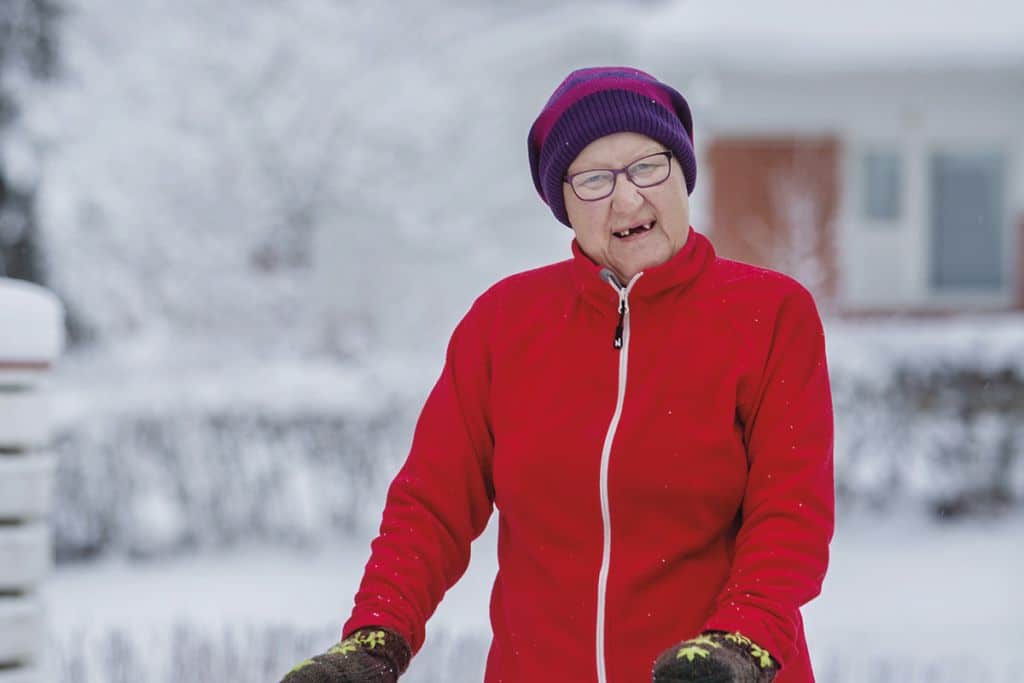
(263, 219)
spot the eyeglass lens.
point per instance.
(599, 183)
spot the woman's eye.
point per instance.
(594, 180)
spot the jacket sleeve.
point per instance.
(440, 500)
(787, 514)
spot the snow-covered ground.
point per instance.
(905, 600)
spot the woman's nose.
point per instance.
(626, 196)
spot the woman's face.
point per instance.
(658, 217)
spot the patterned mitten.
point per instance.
(715, 657)
(369, 655)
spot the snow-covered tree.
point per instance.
(28, 49)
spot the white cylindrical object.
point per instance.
(32, 318)
(27, 558)
(22, 376)
(26, 485)
(24, 419)
(31, 339)
(21, 629)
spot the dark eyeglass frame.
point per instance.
(615, 176)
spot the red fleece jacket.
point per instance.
(681, 483)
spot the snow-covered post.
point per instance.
(31, 338)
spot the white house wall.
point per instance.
(917, 113)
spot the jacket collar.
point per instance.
(678, 273)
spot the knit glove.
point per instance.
(715, 657)
(369, 655)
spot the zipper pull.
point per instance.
(617, 342)
(608, 276)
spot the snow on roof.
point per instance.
(808, 35)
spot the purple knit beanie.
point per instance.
(598, 101)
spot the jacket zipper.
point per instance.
(621, 342)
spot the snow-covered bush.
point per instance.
(929, 412)
(949, 440)
(153, 484)
(157, 461)
(237, 653)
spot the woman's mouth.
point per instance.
(635, 230)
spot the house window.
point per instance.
(883, 186)
(968, 216)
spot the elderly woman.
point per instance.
(652, 422)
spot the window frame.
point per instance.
(971, 296)
(895, 152)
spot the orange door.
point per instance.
(774, 204)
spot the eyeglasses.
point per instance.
(598, 183)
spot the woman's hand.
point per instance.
(369, 655)
(715, 657)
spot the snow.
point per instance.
(295, 587)
(900, 593)
(870, 350)
(32, 321)
(903, 585)
(792, 36)
(255, 589)
(90, 387)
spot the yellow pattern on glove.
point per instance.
(692, 648)
(301, 665)
(692, 651)
(762, 656)
(758, 652)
